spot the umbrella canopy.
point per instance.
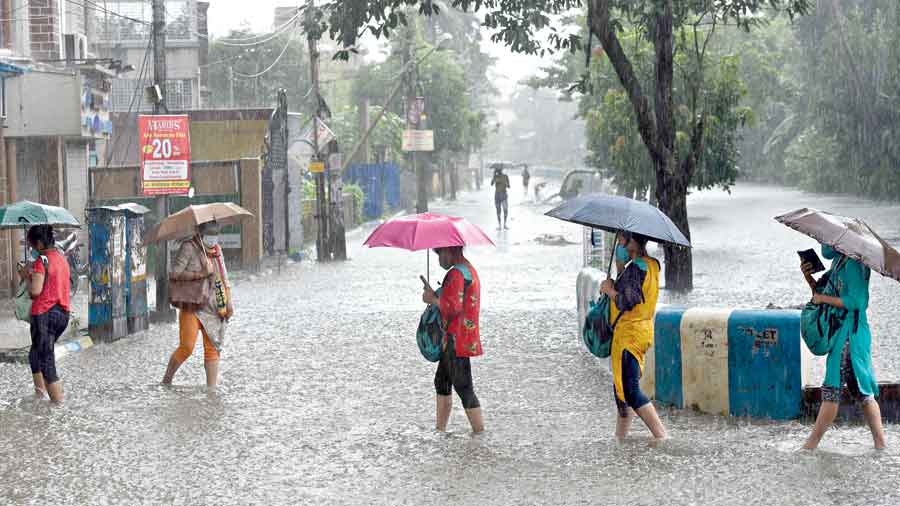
(850, 236)
(426, 231)
(620, 214)
(25, 214)
(184, 223)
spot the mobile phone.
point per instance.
(809, 256)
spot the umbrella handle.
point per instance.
(612, 255)
(428, 267)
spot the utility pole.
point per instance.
(158, 39)
(231, 86)
(323, 253)
(414, 120)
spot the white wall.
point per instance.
(43, 104)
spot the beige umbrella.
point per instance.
(184, 223)
(850, 236)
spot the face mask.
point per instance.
(828, 252)
(211, 240)
(622, 254)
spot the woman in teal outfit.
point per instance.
(849, 362)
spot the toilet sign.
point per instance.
(165, 153)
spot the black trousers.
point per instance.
(455, 373)
(45, 330)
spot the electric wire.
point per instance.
(274, 63)
(253, 39)
(137, 89)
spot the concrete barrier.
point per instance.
(722, 361)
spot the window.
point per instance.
(126, 90)
(181, 19)
(179, 95)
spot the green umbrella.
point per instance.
(25, 214)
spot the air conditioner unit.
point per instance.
(76, 46)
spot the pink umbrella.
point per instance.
(427, 231)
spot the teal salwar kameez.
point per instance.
(851, 281)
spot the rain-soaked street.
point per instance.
(324, 398)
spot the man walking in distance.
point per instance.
(459, 301)
(526, 178)
(500, 182)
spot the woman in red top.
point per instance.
(459, 305)
(49, 288)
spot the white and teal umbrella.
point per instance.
(26, 214)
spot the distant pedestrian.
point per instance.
(500, 182)
(48, 284)
(526, 178)
(200, 288)
(633, 296)
(849, 362)
(459, 301)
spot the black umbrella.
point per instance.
(620, 214)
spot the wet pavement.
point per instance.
(324, 398)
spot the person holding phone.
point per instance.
(48, 284)
(459, 302)
(849, 363)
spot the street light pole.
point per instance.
(413, 120)
(164, 312)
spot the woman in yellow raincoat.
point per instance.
(633, 296)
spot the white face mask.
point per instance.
(211, 240)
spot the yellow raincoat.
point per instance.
(634, 330)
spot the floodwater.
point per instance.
(324, 398)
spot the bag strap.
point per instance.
(46, 262)
(835, 270)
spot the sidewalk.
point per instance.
(15, 335)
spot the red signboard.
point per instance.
(165, 143)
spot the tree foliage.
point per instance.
(457, 120)
(850, 71)
(615, 146)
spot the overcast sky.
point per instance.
(259, 15)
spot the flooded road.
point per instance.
(324, 398)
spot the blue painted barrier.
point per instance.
(667, 357)
(764, 364)
(731, 362)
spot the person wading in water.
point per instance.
(849, 363)
(459, 302)
(48, 285)
(202, 309)
(500, 182)
(634, 296)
